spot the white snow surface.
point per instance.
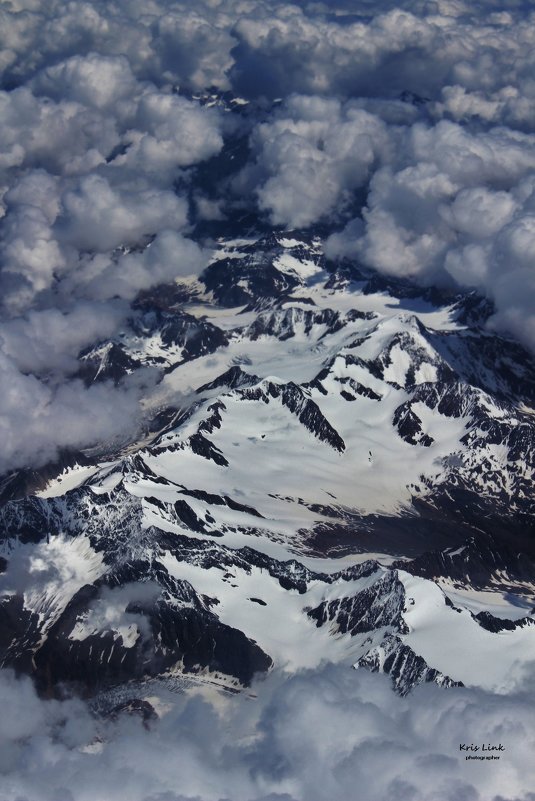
(68, 480)
(281, 627)
(453, 643)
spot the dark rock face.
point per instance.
(197, 337)
(169, 621)
(306, 411)
(222, 500)
(409, 427)
(414, 345)
(496, 624)
(163, 298)
(347, 383)
(188, 633)
(256, 280)
(135, 707)
(283, 323)
(19, 634)
(179, 336)
(379, 606)
(105, 363)
(500, 367)
(203, 447)
(483, 562)
(187, 516)
(405, 668)
(233, 378)
(29, 520)
(25, 482)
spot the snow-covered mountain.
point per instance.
(336, 466)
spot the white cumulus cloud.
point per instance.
(318, 735)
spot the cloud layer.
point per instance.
(89, 159)
(325, 734)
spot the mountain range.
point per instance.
(334, 466)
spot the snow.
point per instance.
(281, 628)
(439, 427)
(265, 444)
(106, 479)
(400, 362)
(456, 645)
(506, 606)
(129, 634)
(305, 268)
(425, 372)
(69, 479)
(380, 303)
(268, 448)
(297, 359)
(225, 318)
(273, 438)
(230, 249)
(289, 243)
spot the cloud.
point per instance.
(455, 208)
(90, 154)
(169, 256)
(49, 340)
(316, 735)
(95, 216)
(312, 157)
(381, 49)
(94, 81)
(408, 128)
(279, 48)
(113, 611)
(38, 417)
(60, 137)
(171, 132)
(194, 46)
(64, 289)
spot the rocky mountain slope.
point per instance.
(335, 466)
